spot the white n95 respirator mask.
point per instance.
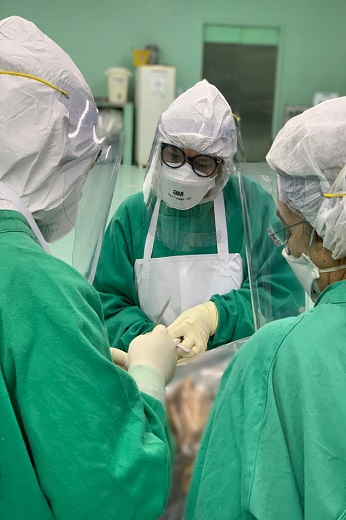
(181, 188)
(307, 273)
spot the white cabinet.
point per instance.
(154, 92)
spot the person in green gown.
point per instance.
(80, 438)
(180, 244)
(274, 446)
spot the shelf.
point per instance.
(104, 103)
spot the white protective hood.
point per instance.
(309, 155)
(47, 141)
(199, 119)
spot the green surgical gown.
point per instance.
(77, 438)
(275, 444)
(124, 243)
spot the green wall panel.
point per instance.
(243, 35)
(222, 34)
(98, 35)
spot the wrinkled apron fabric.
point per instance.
(186, 280)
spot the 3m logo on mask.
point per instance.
(178, 193)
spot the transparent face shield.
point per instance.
(82, 245)
(89, 184)
(182, 184)
(94, 210)
(240, 156)
(275, 290)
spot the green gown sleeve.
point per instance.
(308, 396)
(236, 467)
(274, 444)
(98, 445)
(115, 280)
(280, 293)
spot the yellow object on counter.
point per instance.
(141, 57)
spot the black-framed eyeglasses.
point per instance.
(202, 165)
(279, 235)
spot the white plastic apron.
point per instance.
(186, 280)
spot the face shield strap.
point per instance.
(332, 193)
(82, 113)
(10, 195)
(30, 76)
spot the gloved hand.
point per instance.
(195, 325)
(119, 358)
(151, 360)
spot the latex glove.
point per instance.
(195, 325)
(151, 360)
(119, 358)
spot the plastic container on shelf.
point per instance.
(141, 57)
(154, 54)
(118, 85)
